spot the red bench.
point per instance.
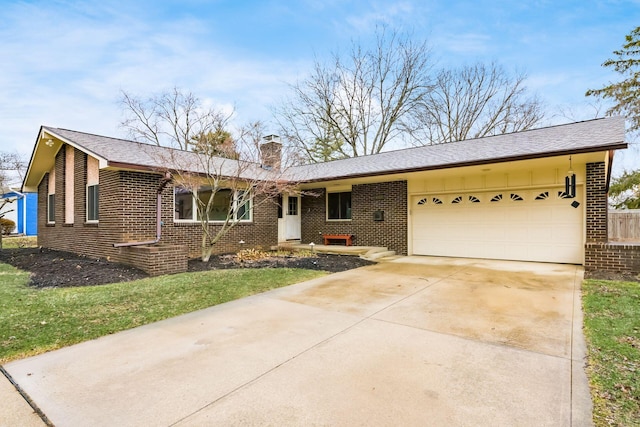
(348, 238)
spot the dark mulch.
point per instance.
(606, 275)
(62, 269)
(51, 268)
(324, 262)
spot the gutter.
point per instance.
(163, 183)
(480, 162)
(609, 166)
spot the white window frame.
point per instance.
(91, 220)
(350, 207)
(235, 202)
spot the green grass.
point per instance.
(33, 321)
(612, 329)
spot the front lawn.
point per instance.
(34, 321)
(612, 329)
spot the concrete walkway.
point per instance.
(417, 341)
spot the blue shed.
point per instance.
(24, 211)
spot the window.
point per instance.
(219, 208)
(226, 203)
(293, 206)
(242, 205)
(339, 205)
(92, 202)
(51, 208)
(93, 178)
(51, 197)
(183, 201)
(474, 199)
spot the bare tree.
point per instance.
(357, 103)
(225, 191)
(219, 179)
(172, 119)
(12, 168)
(473, 102)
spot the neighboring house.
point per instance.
(498, 197)
(23, 210)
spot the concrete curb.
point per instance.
(18, 410)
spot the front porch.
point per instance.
(371, 253)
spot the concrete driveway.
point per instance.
(417, 341)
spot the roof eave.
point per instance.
(607, 148)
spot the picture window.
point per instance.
(339, 205)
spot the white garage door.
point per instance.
(531, 225)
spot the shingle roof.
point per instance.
(130, 154)
(588, 136)
(581, 137)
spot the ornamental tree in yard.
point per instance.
(219, 178)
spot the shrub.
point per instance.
(6, 225)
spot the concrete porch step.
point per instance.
(378, 255)
(335, 249)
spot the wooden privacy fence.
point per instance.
(624, 225)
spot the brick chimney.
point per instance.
(271, 152)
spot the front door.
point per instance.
(291, 210)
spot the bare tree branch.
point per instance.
(219, 178)
(171, 119)
(357, 103)
(473, 102)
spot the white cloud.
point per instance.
(69, 69)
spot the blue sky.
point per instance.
(64, 63)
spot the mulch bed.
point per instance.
(51, 268)
(606, 275)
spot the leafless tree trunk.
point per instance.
(357, 103)
(211, 180)
(223, 184)
(473, 102)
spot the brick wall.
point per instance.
(597, 203)
(601, 255)
(128, 214)
(389, 197)
(156, 260)
(91, 239)
(261, 232)
(613, 257)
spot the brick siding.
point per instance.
(597, 203)
(128, 214)
(613, 257)
(389, 197)
(601, 255)
(157, 260)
